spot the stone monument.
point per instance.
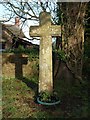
(45, 31)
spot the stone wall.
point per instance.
(17, 65)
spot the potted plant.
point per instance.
(47, 98)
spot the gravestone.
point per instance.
(19, 61)
(45, 31)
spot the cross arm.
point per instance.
(34, 31)
(56, 30)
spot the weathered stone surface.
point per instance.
(45, 31)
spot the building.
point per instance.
(12, 36)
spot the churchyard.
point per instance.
(19, 94)
(42, 82)
(19, 100)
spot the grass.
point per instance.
(18, 100)
(18, 97)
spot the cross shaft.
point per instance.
(45, 31)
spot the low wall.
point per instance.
(17, 65)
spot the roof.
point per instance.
(13, 30)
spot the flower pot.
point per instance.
(47, 102)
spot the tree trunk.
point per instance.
(72, 41)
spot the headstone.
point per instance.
(45, 31)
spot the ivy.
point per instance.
(60, 54)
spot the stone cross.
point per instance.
(45, 31)
(19, 60)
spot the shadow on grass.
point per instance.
(34, 86)
(31, 84)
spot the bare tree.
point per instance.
(31, 8)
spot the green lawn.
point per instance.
(18, 100)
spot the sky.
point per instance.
(25, 28)
(1, 10)
(3, 13)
